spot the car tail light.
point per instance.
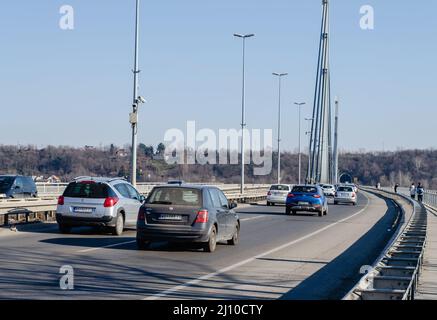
(141, 214)
(353, 195)
(290, 195)
(61, 200)
(87, 182)
(110, 202)
(317, 196)
(202, 216)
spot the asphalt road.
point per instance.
(288, 257)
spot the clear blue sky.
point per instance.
(75, 87)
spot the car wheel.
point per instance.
(335, 203)
(142, 245)
(293, 213)
(287, 210)
(268, 204)
(321, 213)
(235, 238)
(211, 245)
(64, 229)
(272, 204)
(119, 226)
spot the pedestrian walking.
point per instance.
(420, 192)
(413, 191)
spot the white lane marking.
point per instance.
(253, 218)
(241, 263)
(105, 247)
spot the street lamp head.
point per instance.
(243, 35)
(280, 74)
(300, 103)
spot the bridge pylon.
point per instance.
(321, 154)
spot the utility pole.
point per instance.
(308, 133)
(133, 117)
(335, 170)
(243, 106)
(299, 105)
(279, 75)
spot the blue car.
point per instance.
(307, 198)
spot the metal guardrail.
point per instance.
(395, 274)
(429, 198)
(23, 208)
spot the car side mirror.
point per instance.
(142, 199)
(233, 205)
(17, 187)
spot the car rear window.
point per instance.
(345, 189)
(280, 188)
(176, 197)
(304, 189)
(88, 190)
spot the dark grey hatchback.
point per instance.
(188, 213)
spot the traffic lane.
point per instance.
(338, 211)
(114, 272)
(320, 266)
(84, 239)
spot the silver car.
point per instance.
(354, 187)
(345, 194)
(101, 202)
(328, 190)
(278, 194)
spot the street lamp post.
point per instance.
(243, 106)
(299, 105)
(308, 133)
(279, 75)
(133, 117)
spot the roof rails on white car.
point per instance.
(98, 178)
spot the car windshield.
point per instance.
(280, 188)
(345, 189)
(176, 197)
(90, 190)
(6, 183)
(327, 187)
(304, 189)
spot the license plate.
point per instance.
(343, 195)
(174, 217)
(303, 203)
(83, 210)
